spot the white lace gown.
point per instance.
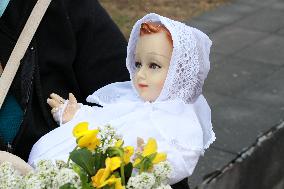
(180, 118)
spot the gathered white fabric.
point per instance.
(124, 92)
(180, 119)
(173, 124)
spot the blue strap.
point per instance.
(3, 5)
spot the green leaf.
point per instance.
(87, 186)
(152, 156)
(83, 158)
(146, 163)
(82, 174)
(114, 151)
(99, 161)
(128, 171)
(67, 186)
(116, 174)
(109, 187)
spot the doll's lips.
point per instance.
(142, 85)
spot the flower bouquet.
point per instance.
(100, 160)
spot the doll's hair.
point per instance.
(155, 27)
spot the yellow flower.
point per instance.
(118, 143)
(113, 163)
(80, 129)
(149, 149)
(98, 181)
(102, 177)
(128, 152)
(86, 138)
(118, 184)
(89, 140)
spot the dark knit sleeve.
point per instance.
(100, 48)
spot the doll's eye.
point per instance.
(154, 66)
(138, 64)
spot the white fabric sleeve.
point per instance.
(183, 161)
(57, 144)
(85, 113)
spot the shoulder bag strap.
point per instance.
(21, 47)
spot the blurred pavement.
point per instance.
(245, 86)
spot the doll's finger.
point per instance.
(54, 110)
(57, 98)
(140, 141)
(52, 103)
(69, 112)
(72, 99)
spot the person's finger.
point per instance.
(57, 98)
(72, 99)
(52, 103)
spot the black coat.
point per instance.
(77, 48)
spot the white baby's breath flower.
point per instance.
(66, 176)
(61, 164)
(32, 181)
(41, 179)
(108, 137)
(141, 181)
(47, 175)
(44, 165)
(9, 177)
(162, 172)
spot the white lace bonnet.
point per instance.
(189, 64)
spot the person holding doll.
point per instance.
(168, 63)
(75, 41)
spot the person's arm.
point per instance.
(101, 47)
(18, 163)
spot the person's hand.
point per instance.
(19, 164)
(56, 102)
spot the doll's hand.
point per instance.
(70, 109)
(56, 102)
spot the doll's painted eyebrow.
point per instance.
(154, 53)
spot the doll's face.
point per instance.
(152, 59)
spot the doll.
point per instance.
(168, 63)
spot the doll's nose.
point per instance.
(141, 73)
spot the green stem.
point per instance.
(122, 174)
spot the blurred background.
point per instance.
(126, 12)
